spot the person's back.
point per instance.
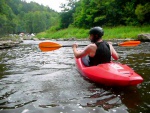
(98, 51)
(102, 55)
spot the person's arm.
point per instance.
(79, 54)
(113, 52)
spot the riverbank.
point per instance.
(110, 33)
(121, 33)
(13, 43)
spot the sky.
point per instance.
(53, 4)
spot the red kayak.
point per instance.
(110, 74)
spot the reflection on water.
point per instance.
(32, 81)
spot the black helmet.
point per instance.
(97, 31)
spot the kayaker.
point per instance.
(98, 51)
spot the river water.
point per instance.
(32, 81)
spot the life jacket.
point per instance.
(102, 54)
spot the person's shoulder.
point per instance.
(92, 45)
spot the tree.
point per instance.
(67, 13)
(19, 16)
(90, 13)
(143, 12)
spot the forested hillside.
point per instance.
(88, 13)
(19, 16)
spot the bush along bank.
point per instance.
(120, 33)
(110, 33)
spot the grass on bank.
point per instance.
(120, 32)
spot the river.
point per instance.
(32, 81)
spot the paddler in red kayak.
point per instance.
(98, 51)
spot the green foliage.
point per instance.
(19, 16)
(66, 16)
(37, 21)
(109, 32)
(111, 13)
(65, 33)
(142, 12)
(7, 16)
(139, 12)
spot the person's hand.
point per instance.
(74, 45)
(110, 43)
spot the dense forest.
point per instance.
(19, 16)
(87, 13)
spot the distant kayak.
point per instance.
(110, 74)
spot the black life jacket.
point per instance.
(102, 54)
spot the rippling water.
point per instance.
(32, 81)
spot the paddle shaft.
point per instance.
(71, 45)
(50, 46)
(115, 44)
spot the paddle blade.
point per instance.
(49, 46)
(130, 43)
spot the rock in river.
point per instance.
(144, 37)
(8, 44)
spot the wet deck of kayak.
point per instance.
(32, 81)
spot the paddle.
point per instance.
(50, 46)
